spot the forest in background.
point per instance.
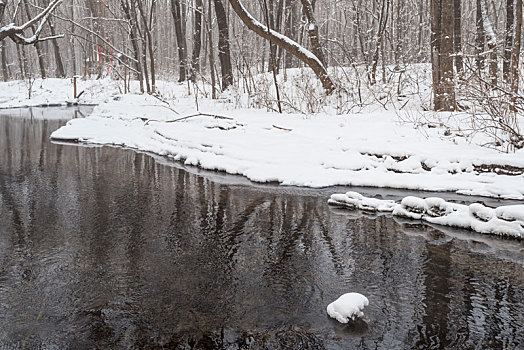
(365, 51)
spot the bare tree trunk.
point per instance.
(442, 24)
(5, 69)
(176, 11)
(457, 36)
(289, 27)
(420, 38)
(508, 43)
(72, 39)
(38, 48)
(2, 10)
(289, 45)
(481, 38)
(130, 14)
(144, 57)
(95, 10)
(312, 29)
(384, 12)
(211, 53)
(197, 39)
(60, 72)
(148, 40)
(278, 28)
(515, 54)
(224, 53)
(272, 56)
(491, 40)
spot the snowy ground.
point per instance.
(54, 92)
(375, 148)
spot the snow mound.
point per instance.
(347, 306)
(503, 221)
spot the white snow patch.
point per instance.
(347, 306)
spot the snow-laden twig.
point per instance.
(187, 117)
(16, 33)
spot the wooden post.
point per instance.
(74, 86)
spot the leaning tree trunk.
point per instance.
(312, 29)
(442, 24)
(176, 11)
(224, 53)
(286, 43)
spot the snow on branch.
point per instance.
(16, 33)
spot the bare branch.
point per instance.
(16, 33)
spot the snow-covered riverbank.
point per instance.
(374, 148)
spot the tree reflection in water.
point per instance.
(104, 247)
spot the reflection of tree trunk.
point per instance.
(176, 11)
(437, 271)
(224, 54)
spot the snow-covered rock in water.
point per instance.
(437, 207)
(481, 212)
(347, 306)
(505, 220)
(411, 207)
(355, 200)
(511, 213)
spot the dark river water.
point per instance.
(108, 248)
